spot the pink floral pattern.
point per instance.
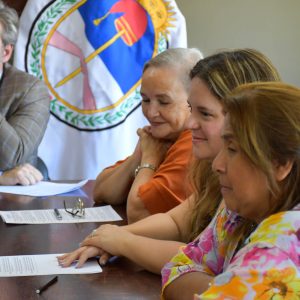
(207, 252)
(266, 267)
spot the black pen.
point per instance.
(44, 287)
(57, 214)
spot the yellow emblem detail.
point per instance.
(161, 13)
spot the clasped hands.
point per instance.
(106, 241)
(150, 149)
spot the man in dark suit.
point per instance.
(24, 110)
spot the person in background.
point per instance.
(259, 174)
(24, 110)
(152, 241)
(152, 179)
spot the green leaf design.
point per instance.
(77, 119)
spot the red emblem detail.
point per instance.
(133, 22)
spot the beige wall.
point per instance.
(271, 26)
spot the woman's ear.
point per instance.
(282, 171)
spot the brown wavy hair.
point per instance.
(265, 121)
(222, 72)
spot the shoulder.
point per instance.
(182, 148)
(273, 228)
(11, 71)
(20, 87)
(184, 137)
(20, 78)
(279, 234)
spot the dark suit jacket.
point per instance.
(24, 114)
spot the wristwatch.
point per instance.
(146, 165)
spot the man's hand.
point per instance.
(23, 174)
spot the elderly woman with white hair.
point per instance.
(152, 179)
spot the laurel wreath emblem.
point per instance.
(81, 121)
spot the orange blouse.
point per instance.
(169, 185)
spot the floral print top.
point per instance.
(266, 267)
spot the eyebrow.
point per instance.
(201, 107)
(158, 95)
(227, 136)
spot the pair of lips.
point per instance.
(154, 124)
(224, 187)
(198, 138)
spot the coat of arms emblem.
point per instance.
(91, 54)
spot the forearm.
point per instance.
(136, 209)
(12, 150)
(153, 153)
(139, 213)
(173, 225)
(21, 132)
(186, 286)
(112, 185)
(158, 226)
(149, 253)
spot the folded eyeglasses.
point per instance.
(78, 210)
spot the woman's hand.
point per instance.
(81, 255)
(109, 238)
(153, 150)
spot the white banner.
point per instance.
(91, 55)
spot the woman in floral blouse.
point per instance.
(251, 248)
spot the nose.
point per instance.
(191, 122)
(219, 163)
(152, 110)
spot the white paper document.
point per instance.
(42, 188)
(47, 216)
(45, 264)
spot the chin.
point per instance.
(200, 154)
(161, 134)
(158, 135)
